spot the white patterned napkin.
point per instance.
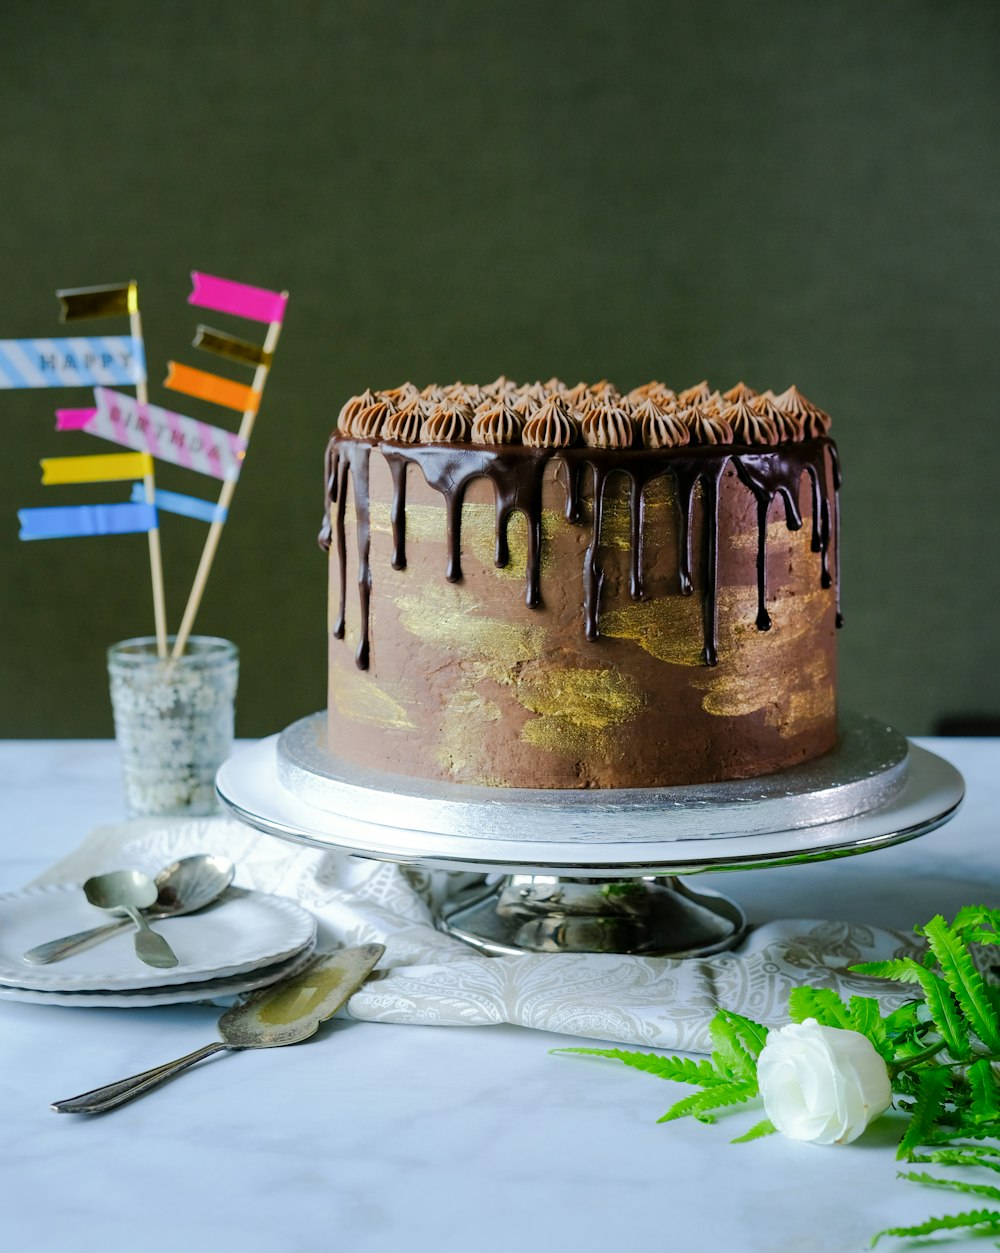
(429, 977)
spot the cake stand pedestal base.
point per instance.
(655, 916)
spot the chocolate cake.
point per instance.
(565, 587)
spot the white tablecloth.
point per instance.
(383, 1137)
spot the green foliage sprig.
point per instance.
(941, 1049)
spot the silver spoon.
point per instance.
(284, 1013)
(182, 888)
(128, 891)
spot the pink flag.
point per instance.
(238, 298)
(73, 419)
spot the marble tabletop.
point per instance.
(384, 1137)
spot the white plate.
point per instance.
(243, 931)
(206, 990)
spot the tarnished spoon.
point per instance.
(284, 1013)
(126, 892)
(182, 888)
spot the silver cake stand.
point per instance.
(595, 870)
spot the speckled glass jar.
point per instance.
(173, 722)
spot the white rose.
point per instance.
(822, 1084)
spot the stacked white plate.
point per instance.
(245, 940)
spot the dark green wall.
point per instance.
(776, 191)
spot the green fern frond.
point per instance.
(729, 1056)
(753, 1035)
(933, 1086)
(899, 969)
(984, 1091)
(866, 1017)
(702, 1103)
(681, 1069)
(951, 1185)
(823, 1004)
(964, 980)
(958, 1157)
(763, 1128)
(980, 1222)
(945, 1015)
(977, 924)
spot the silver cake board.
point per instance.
(595, 870)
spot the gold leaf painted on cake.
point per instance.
(669, 628)
(778, 535)
(357, 696)
(466, 726)
(576, 708)
(479, 536)
(450, 618)
(425, 524)
(791, 697)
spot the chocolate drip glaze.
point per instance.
(516, 473)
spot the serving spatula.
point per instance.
(284, 1013)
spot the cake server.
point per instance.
(284, 1013)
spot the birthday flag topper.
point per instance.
(165, 435)
(211, 387)
(79, 361)
(231, 347)
(120, 300)
(240, 299)
(185, 506)
(74, 521)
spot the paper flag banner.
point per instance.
(186, 506)
(104, 468)
(211, 387)
(231, 347)
(71, 521)
(98, 302)
(256, 303)
(75, 362)
(73, 419)
(165, 435)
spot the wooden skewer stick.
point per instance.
(225, 499)
(155, 559)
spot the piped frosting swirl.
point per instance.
(551, 414)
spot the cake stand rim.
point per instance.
(933, 791)
(865, 770)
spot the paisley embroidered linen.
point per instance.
(428, 977)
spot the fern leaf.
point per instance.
(752, 1034)
(866, 1017)
(945, 1015)
(681, 1069)
(900, 969)
(952, 1185)
(976, 924)
(983, 1089)
(710, 1099)
(730, 1057)
(763, 1128)
(823, 1004)
(980, 1222)
(964, 980)
(933, 1086)
(958, 1157)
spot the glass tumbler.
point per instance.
(173, 722)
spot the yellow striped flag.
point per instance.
(211, 387)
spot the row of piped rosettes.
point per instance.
(552, 415)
